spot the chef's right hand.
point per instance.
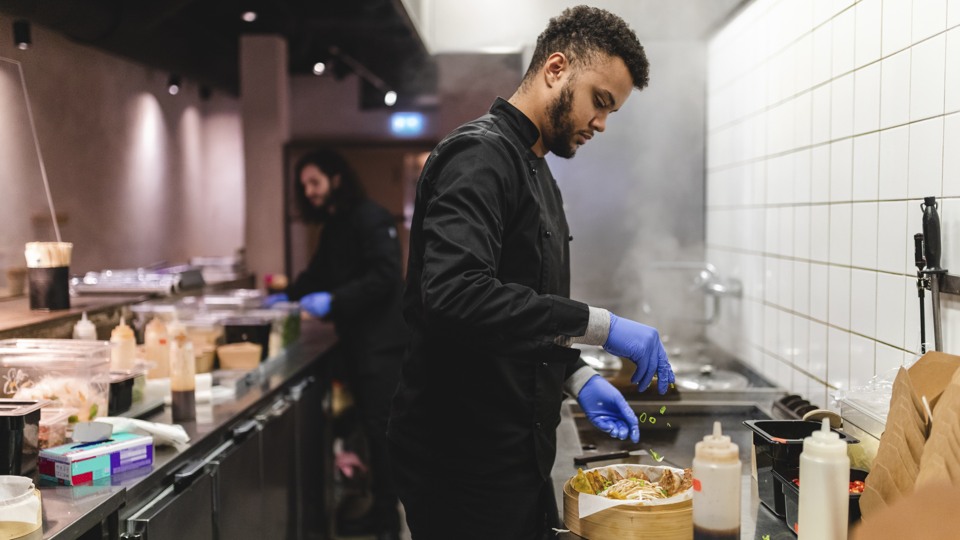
(605, 408)
(276, 298)
(641, 344)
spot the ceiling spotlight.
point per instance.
(390, 98)
(173, 85)
(21, 34)
(249, 16)
(319, 68)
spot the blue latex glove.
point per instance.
(317, 304)
(606, 408)
(273, 299)
(641, 344)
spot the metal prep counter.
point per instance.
(117, 506)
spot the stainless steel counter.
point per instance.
(679, 427)
(69, 512)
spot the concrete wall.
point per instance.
(137, 175)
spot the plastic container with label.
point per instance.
(716, 488)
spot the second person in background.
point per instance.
(354, 280)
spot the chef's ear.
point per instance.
(556, 68)
(335, 181)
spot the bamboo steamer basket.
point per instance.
(629, 522)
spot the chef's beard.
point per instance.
(559, 137)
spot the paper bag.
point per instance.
(904, 444)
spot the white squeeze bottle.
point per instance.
(156, 346)
(124, 350)
(716, 488)
(824, 486)
(85, 329)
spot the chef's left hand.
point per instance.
(317, 304)
(606, 408)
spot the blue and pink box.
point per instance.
(76, 463)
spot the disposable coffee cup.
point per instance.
(48, 274)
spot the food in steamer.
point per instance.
(636, 485)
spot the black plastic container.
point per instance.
(121, 391)
(251, 329)
(791, 499)
(777, 445)
(19, 435)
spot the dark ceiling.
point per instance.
(199, 39)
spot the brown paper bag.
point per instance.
(941, 462)
(898, 464)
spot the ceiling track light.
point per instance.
(249, 16)
(21, 34)
(389, 96)
(173, 85)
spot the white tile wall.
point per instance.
(828, 123)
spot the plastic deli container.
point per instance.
(56, 426)
(123, 394)
(67, 372)
(777, 445)
(249, 329)
(791, 498)
(19, 435)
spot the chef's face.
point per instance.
(317, 186)
(586, 98)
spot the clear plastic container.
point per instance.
(56, 425)
(69, 373)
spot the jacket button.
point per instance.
(544, 364)
(538, 425)
(533, 171)
(547, 234)
(570, 238)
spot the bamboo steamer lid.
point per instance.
(629, 522)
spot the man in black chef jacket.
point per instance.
(472, 429)
(354, 280)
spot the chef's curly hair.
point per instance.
(344, 197)
(582, 33)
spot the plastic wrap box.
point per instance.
(72, 464)
(68, 372)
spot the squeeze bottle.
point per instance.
(124, 350)
(84, 329)
(824, 486)
(157, 348)
(716, 488)
(183, 383)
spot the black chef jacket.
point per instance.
(358, 262)
(487, 291)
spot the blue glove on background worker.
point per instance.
(641, 344)
(316, 304)
(606, 408)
